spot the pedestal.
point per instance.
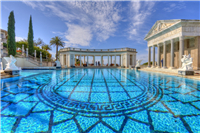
(12, 72)
(185, 72)
(122, 66)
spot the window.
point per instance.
(2, 36)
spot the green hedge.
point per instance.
(44, 52)
(146, 63)
(38, 49)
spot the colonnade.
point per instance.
(125, 57)
(164, 44)
(124, 60)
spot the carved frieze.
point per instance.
(162, 37)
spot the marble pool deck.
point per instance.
(173, 72)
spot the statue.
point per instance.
(186, 63)
(58, 65)
(138, 63)
(11, 63)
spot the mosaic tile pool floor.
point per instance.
(100, 101)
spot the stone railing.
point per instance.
(98, 50)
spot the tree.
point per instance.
(46, 47)
(38, 42)
(11, 35)
(56, 41)
(30, 38)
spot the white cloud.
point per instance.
(99, 19)
(173, 6)
(139, 12)
(77, 35)
(35, 4)
(17, 38)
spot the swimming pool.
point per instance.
(99, 100)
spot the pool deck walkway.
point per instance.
(173, 72)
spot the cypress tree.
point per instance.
(30, 38)
(11, 35)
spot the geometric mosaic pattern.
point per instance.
(100, 100)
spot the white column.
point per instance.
(23, 50)
(40, 57)
(120, 60)
(72, 60)
(27, 52)
(108, 61)
(135, 60)
(87, 60)
(164, 55)
(172, 53)
(69, 60)
(101, 60)
(94, 60)
(80, 61)
(153, 63)
(181, 49)
(149, 57)
(111, 59)
(122, 63)
(158, 51)
(66, 60)
(128, 60)
(35, 55)
(115, 60)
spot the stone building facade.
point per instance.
(4, 35)
(174, 38)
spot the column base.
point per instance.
(153, 67)
(158, 67)
(172, 68)
(148, 66)
(164, 67)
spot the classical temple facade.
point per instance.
(174, 38)
(126, 56)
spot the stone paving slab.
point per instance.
(173, 72)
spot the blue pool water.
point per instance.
(99, 101)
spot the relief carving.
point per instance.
(160, 38)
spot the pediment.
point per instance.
(160, 26)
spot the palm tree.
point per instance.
(57, 41)
(46, 47)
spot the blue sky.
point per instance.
(95, 24)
